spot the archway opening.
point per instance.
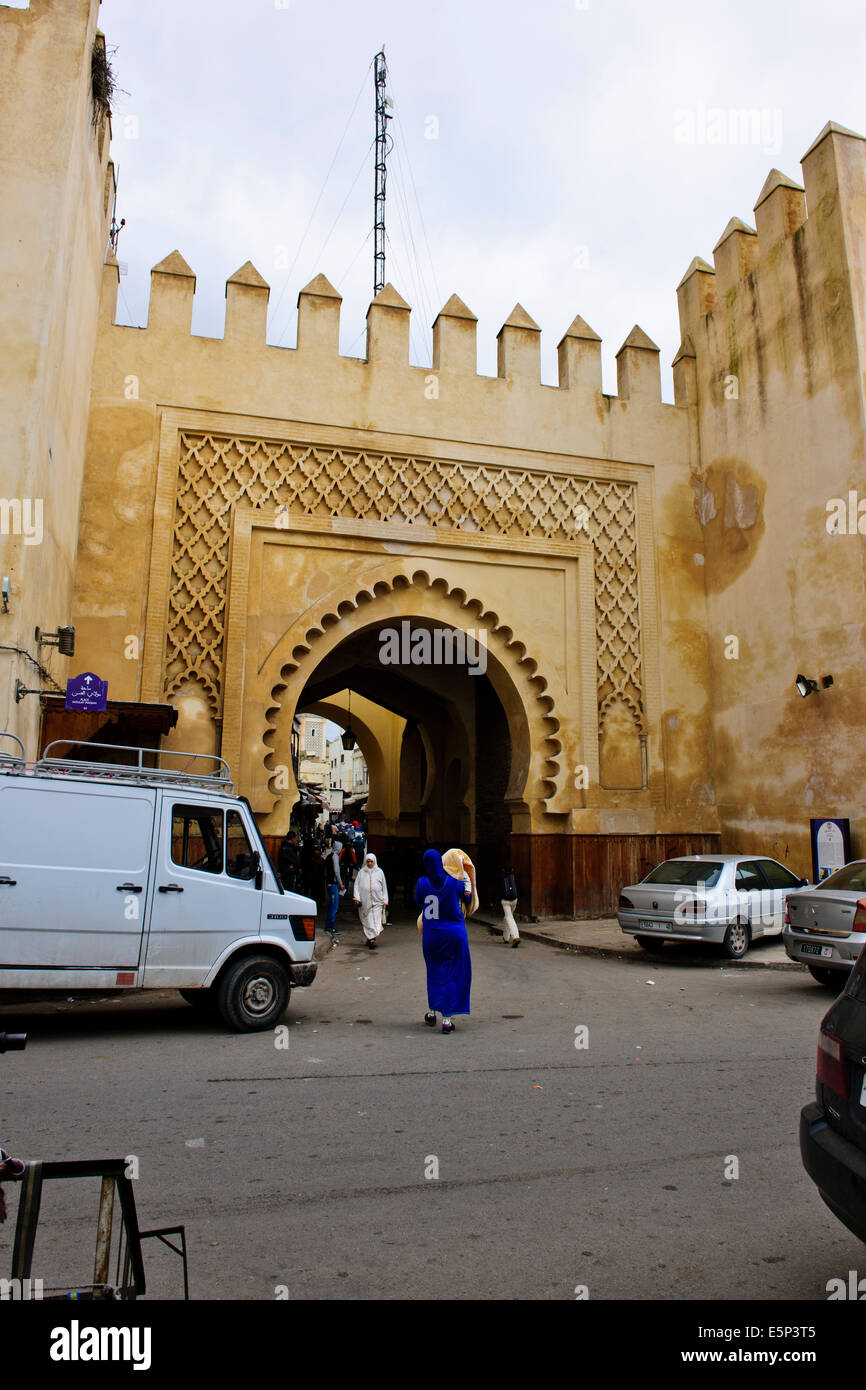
(434, 734)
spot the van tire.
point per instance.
(253, 994)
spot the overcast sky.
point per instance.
(571, 156)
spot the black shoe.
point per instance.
(516, 943)
(447, 1026)
(430, 1020)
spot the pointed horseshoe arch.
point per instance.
(536, 774)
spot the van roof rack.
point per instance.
(215, 777)
(13, 758)
(12, 761)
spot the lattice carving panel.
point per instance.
(216, 472)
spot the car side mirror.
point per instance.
(804, 883)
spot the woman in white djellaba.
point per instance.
(371, 896)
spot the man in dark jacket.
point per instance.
(509, 890)
(289, 862)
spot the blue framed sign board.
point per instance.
(831, 845)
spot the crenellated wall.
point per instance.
(186, 432)
(775, 335)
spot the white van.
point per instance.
(140, 876)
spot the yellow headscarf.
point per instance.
(455, 863)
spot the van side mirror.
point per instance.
(260, 873)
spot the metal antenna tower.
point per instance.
(380, 73)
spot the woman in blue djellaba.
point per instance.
(444, 941)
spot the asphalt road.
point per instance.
(308, 1171)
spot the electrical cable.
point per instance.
(321, 192)
(361, 168)
(418, 201)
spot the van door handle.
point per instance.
(8, 882)
(129, 888)
(170, 888)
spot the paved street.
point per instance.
(557, 1167)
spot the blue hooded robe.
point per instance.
(444, 939)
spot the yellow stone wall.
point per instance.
(57, 194)
(775, 337)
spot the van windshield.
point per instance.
(686, 872)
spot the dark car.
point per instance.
(833, 1128)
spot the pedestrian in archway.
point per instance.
(289, 862)
(444, 941)
(371, 897)
(315, 886)
(334, 887)
(509, 891)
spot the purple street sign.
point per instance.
(87, 692)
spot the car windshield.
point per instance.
(687, 872)
(852, 878)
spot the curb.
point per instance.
(535, 932)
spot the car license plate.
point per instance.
(811, 948)
(654, 926)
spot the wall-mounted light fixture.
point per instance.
(63, 639)
(348, 739)
(805, 686)
(21, 690)
(4, 593)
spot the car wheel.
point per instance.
(253, 994)
(831, 978)
(650, 943)
(202, 999)
(736, 942)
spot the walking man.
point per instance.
(509, 891)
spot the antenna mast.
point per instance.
(380, 73)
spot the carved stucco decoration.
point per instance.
(215, 472)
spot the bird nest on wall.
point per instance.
(102, 80)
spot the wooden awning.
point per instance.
(122, 721)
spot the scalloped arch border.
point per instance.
(518, 661)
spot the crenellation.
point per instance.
(735, 255)
(247, 305)
(388, 328)
(518, 354)
(696, 294)
(638, 370)
(247, 293)
(110, 288)
(172, 289)
(454, 338)
(830, 156)
(579, 357)
(319, 317)
(779, 211)
(685, 369)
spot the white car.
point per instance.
(724, 899)
(826, 927)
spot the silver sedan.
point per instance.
(726, 899)
(826, 926)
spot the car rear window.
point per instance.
(852, 877)
(686, 872)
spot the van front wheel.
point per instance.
(253, 994)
